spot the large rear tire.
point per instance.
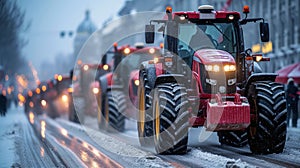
(170, 119)
(116, 103)
(233, 138)
(267, 134)
(145, 117)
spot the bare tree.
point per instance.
(11, 44)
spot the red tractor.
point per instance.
(121, 85)
(207, 78)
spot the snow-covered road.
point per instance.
(38, 141)
(19, 144)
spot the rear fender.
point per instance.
(169, 78)
(259, 77)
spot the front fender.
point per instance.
(169, 78)
(259, 77)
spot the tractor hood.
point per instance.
(209, 56)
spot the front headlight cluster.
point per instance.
(217, 68)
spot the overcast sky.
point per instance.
(48, 18)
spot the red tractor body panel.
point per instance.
(227, 116)
(197, 15)
(209, 56)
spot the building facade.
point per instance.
(283, 17)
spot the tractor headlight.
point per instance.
(105, 67)
(228, 68)
(44, 103)
(214, 68)
(151, 50)
(137, 82)
(95, 90)
(64, 98)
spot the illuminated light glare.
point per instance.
(105, 67)
(232, 67)
(43, 129)
(115, 44)
(29, 93)
(79, 62)
(38, 90)
(161, 45)
(209, 67)
(59, 78)
(126, 51)
(31, 104)
(6, 77)
(64, 132)
(136, 82)
(231, 17)
(226, 68)
(55, 76)
(84, 144)
(95, 164)
(64, 98)
(169, 9)
(259, 58)
(85, 67)
(151, 50)
(44, 88)
(21, 98)
(95, 90)
(216, 68)
(182, 17)
(31, 117)
(44, 103)
(42, 151)
(96, 152)
(156, 60)
(70, 90)
(84, 156)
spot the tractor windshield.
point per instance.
(193, 37)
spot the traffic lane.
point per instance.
(203, 141)
(32, 151)
(86, 152)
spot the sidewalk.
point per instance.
(8, 134)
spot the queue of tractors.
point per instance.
(203, 76)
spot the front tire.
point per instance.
(116, 103)
(145, 118)
(267, 134)
(170, 119)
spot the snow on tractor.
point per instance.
(207, 78)
(118, 89)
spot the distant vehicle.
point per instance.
(119, 86)
(85, 87)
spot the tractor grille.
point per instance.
(221, 78)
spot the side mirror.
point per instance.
(149, 33)
(264, 32)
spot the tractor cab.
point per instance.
(188, 32)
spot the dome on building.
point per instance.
(86, 26)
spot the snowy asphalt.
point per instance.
(25, 143)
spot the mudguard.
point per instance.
(259, 77)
